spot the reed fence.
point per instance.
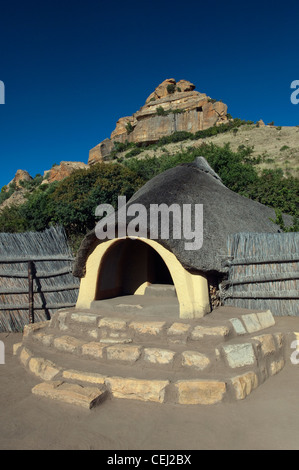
(263, 272)
(35, 277)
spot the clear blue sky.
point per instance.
(72, 68)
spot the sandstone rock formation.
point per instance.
(21, 175)
(18, 196)
(61, 171)
(173, 106)
(16, 199)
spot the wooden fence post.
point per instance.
(31, 299)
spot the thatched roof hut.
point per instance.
(224, 213)
(125, 266)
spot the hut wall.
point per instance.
(263, 272)
(54, 285)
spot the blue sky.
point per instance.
(72, 68)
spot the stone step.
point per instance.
(143, 305)
(115, 328)
(256, 351)
(74, 394)
(175, 361)
(87, 388)
(160, 290)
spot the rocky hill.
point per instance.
(277, 147)
(173, 106)
(14, 193)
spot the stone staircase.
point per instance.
(84, 356)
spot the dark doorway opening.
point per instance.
(128, 265)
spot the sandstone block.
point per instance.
(93, 349)
(44, 338)
(251, 322)
(137, 389)
(239, 355)
(279, 337)
(16, 348)
(25, 355)
(74, 394)
(200, 332)
(43, 368)
(84, 318)
(147, 327)
(276, 366)
(83, 376)
(238, 326)
(158, 356)
(118, 335)
(178, 329)
(110, 340)
(112, 323)
(93, 333)
(267, 343)
(67, 343)
(62, 316)
(123, 352)
(244, 384)
(195, 359)
(200, 392)
(266, 319)
(33, 327)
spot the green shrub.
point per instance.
(133, 153)
(177, 111)
(129, 128)
(161, 111)
(7, 192)
(171, 88)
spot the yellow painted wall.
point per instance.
(192, 289)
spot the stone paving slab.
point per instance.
(74, 394)
(200, 392)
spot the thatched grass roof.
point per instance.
(224, 213)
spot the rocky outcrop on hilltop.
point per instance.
(16, 190)
(21, 175)
(63, 170)
(173, 106)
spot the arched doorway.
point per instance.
(106, 277)
(127, 267)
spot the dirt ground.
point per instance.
(266, 419)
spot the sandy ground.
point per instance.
(267, 419)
